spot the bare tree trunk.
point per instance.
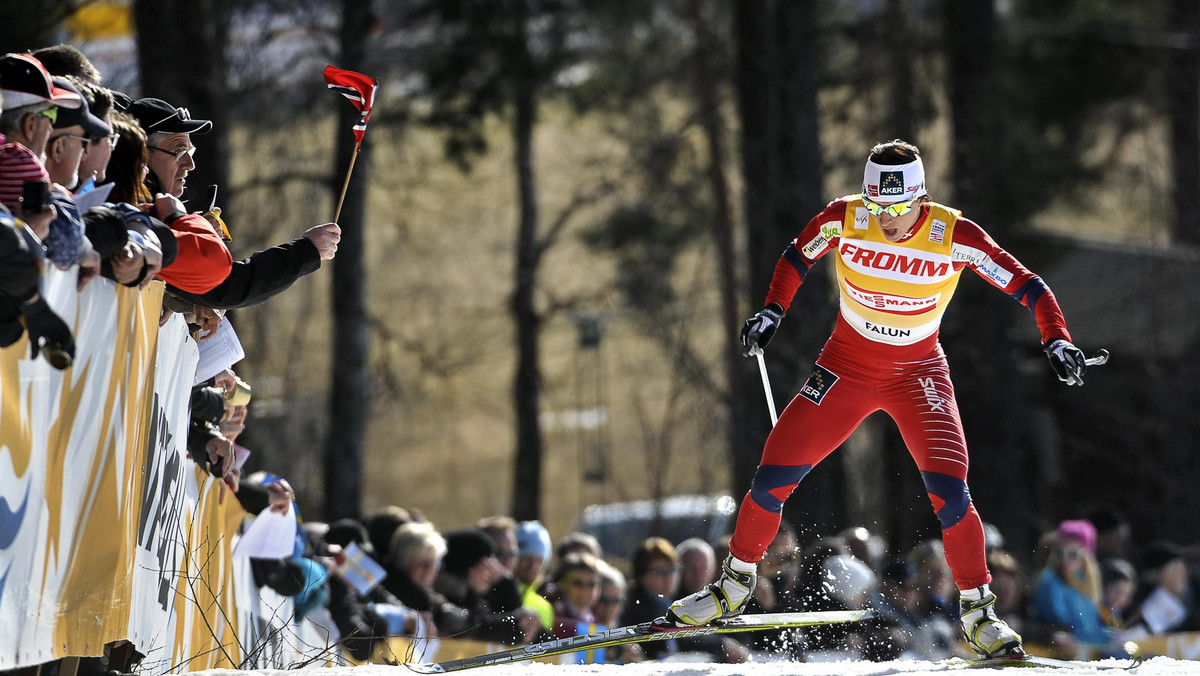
(778, 54)
(723, 226)
(32, 25)
(1183, 107)
(757, 88)
(527, 383)
(170, 35)
(976, 334)
(348, 402)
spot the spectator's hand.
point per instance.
(221, 448)
(226, 380)
(759, 329)
(209, 320)
(326, 238)
(529, 623)
(233, 422)
(153, 257)
(281, 496)
(234, 480)
(167, 206)
(39, 221)
(411, 625)
(484, 574)
(89, 264)
(47, 331)
(1067, 360)
(127, 263)
(164, 316)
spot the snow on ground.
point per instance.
(1159, 666)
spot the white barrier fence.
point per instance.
(108, 530)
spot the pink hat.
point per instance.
(1078, 529)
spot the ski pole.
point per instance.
(1101, 357)
(762, 370)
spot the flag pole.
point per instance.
(345, 185)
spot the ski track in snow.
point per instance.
(1158, 666)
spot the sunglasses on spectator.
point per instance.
(664, 570)
(49, 113)
(1072, 553)
(608, 600)
(83, 140)
(178, 155)
(507, 556)
(181, 113)
(581, 584)
(893, 210)
(111, 139)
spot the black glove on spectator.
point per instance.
(1068, 361)
(208, 405)
(47, 331)
(758, 330)
(105, 230)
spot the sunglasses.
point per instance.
(111, 139)
(186, 152)
(50, 114)
(608, 600)
(1072, 553)
(893, 210)
(83, 140)
(581, 584)
(181, 113)
(665, 570)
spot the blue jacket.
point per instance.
(1056, 602)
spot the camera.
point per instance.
(240, 394)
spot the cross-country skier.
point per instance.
(898, 256)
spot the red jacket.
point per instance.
(203, 261)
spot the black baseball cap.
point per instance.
(93, 126)
(156, 115)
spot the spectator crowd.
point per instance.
(504, 581)
(94, 181)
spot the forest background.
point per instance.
(565, 208)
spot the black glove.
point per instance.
(47, 331)
(106, 230)
(1068, 361)
(208, 405)
(758, 330)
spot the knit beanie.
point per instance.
(464, 549)
(533, 540)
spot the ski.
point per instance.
(645, 632)
(1035, 661)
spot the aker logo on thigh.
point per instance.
(819, 382)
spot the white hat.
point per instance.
(890, 183)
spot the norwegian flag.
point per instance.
(360, 89)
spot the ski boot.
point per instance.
(986, 633)
(724, 598)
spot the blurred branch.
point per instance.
(583, 198)
(277, 181)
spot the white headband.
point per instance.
(888, 183)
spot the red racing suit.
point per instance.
(884, 355)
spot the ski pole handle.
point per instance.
(762, 370)
(1101, 357)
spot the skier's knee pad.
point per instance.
(949, 496)
(774, 483)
